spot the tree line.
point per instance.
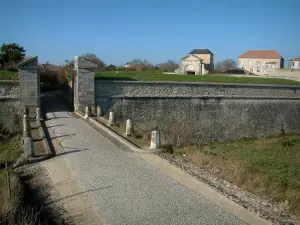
(11, 54)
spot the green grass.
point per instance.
(8, 75)
(155, 76)
(269, 166)
(10, 149)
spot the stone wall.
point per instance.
(9, 106)
(202, 112)
(9, 89)
(283, 73)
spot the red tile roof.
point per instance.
(295, 59)
(261, 54)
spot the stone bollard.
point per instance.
(38, 114)
(26, 126)
(111, 119)
(155, 140)
(87, 112)
(28, 147)
(99, 111)
(129, 128)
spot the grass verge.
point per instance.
(138, 139)
(268, 167)
(10, 149)
(154, 76)
(8, 75)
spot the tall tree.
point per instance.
(11, 54)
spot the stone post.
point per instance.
(155, 140)
(112, 119)
(87, 113)
(129, 128)
(29, 79)
(38, 114)
(28, 147)
(84, 81)
(26, 126)
(99, 111)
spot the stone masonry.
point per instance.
(29, 83)
(84, 82)
(203, 112)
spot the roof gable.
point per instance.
(261, 54)
(191, 55)
(201, 51)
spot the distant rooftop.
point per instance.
(201, 51)
(295, 59)
(261, 54)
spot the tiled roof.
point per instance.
(295, 59)
(201, 51)
(261, 54)
(48, 67)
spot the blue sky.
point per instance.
(157, 30)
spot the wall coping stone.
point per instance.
(26, 63)
(9, 81)
(200, 97)
(205, 84)
(83, 63)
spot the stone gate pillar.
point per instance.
(84, 83)
(29, 80)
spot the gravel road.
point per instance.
(123, 188)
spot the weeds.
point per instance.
(268, 167)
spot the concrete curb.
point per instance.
(45, 139)
(121, 140)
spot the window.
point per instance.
(251, 69)
(258, 69)
(258, 63)
(251, 63)
(242, 63)
(264, 63)
(299, 64)
(293, 63)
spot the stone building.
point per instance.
(197, 62)
(294, 63)
(259, 61)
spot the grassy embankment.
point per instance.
(155, 76)
(10, 150)
(268, 167)
(8, 75)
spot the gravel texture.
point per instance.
(123, 188)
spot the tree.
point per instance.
(10, 55)
(93, 58)
(140, 65)
(169, 66)
(225, 65)
(111, 67)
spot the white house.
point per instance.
(294, 63)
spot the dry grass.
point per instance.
(12, 211)
(268, 167)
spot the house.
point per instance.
(197, 62)
(127, 65)
(294, 63)
(258, 61)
